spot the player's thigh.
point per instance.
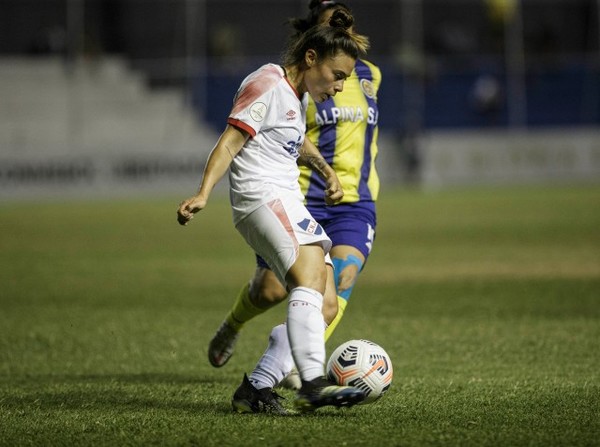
(309, 269)
(284, 234)
(352, 234)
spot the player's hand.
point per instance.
(188, 208)
(333, 191)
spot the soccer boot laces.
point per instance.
(248, 399)
(320, 392)
(220, 348)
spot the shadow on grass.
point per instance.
(94, 392)
(120, 393)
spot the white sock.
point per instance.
(276, 362)
(305, 327)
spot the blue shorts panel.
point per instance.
(260, 262)
(349, 224)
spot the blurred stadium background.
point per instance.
(128, 96)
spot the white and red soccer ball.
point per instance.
(361, 364)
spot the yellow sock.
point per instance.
(341, 308)
(243, 310)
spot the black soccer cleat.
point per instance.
(320, 392)
(248, 399)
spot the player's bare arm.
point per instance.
(228, 146)
(311, 157)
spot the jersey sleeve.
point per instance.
(376, 78)
(252, 103)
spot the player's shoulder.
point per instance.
(267, 76)
(367, 67)
(271, 71)
(261, 85)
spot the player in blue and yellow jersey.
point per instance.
(344, 128)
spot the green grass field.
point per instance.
(487, 300)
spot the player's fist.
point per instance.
(188, 208)
(333, 191)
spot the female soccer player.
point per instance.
(345, 130)
(261, 144)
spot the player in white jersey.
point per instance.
(261, 145)
(263, 177)
(266, 167)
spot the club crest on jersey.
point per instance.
(311, 226)
(258, 110)
(367, 87)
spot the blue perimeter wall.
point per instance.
(563, 96)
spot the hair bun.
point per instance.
(314, 4)
(341, 19)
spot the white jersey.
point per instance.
(268, 107)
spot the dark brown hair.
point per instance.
(315, 9)
(328, 40)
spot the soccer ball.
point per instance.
(361, 364)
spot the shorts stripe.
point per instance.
(278, 209)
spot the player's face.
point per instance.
(326, 77)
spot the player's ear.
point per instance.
(310, 57)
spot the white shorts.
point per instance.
(277, 229)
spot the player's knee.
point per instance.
(348, 277)
(267, 293)
(265, 289)
(314, 278)
(308, 270)
(273, 294)
(346, 273)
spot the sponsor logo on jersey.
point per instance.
(291, 115)
(352, 114)
(293, 146)
(258, 110)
